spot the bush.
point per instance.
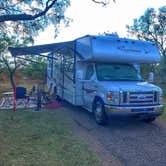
(36, 70)
(161, 70)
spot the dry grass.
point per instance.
(23, 81)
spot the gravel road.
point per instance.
(124, 141)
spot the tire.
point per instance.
(149, 120)
(99, 112)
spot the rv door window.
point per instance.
(89, 72)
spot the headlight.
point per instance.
(113, 97)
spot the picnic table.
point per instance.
(8, 94)
(7, 100)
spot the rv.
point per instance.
(102, 75)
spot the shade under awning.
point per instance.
(63, 47)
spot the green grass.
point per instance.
(164, 114)
(163, 86)
(29, 138)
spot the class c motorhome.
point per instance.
(102, 74)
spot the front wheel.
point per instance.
(149, 120)
(99, 112)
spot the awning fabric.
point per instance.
(63, 47)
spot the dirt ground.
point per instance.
(124, 142)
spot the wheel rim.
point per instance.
(98, 111)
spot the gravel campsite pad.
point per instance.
(125, 141)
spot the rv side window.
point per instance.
(89, 72)
(50, 66)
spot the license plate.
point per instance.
(142, 110)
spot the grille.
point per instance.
(140, 98)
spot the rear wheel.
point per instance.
(99, 112)
(149, 120)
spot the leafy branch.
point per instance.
(26, 17)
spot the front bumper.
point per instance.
(135, 111)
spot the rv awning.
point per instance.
(64, 48)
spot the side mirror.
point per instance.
(93, 78)
(151, 77)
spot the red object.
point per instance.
(52, 105)
(109, 97)
(16, 78)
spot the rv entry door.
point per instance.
(89, 89)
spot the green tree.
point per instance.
(36, 68)
(151, 26)
(21, 21)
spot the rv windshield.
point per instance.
(117, 72)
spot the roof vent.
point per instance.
(115, 35)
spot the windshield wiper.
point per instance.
(126, 80)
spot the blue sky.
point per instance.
(91, 18)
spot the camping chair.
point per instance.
(32, 100)
(45, 95)
(21, 98)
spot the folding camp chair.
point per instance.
(21, 98)
(32, 98)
